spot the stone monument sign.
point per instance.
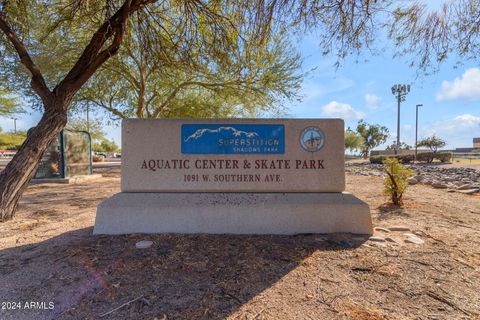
(264, 176)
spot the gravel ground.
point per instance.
(49, 255)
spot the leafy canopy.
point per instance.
(353, 140)
(250, 80)
(433, 142)
(373, 135)
(8, 104)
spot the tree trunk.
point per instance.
(18, 173)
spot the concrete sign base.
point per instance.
(233, 213)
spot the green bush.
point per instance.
(396, 181)
(402, 158)
(98, 159)
(425, 157)
(377, 159)
(430, 156)
(444, 156)
(11, 141)
(405, 158)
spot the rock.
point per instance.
(464, 187)
(450, 190)
(470, 191)
(399, 228)
(414, 239)
(390, 239)
(439, 185)
(382, 229)
(419, 178)
(143, 244)
(412, 181)
(377, 239)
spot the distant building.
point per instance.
(476, 143)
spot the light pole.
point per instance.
(416, 129)
(399, 91)
(15, 124)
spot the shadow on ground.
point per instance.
(390, 210)
(179, 277)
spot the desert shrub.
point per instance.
(396, 181)
(405, 158)
(444, 156)
(98, 159)
(377, 159)
(425, 157)
(430, 156)
(402, 158)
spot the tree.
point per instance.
(353, 141)
(403, 146)
(373, 135)
(93, 31)
(433, 142)
(249, 81)
(8, 104)
(106, 146)
(430, 37)
(93, 127)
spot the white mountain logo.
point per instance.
(237, 133)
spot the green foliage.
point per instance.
(353, 140)
(396, 181)
(106, 146)
(430, 156)
(433, 142)
(430, 37)
(8, 104)
(12, 141)
(403, 146)
(250, 79)
(402, 158)
(373, 135)
(94, 127)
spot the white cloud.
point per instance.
(461, 123)
(345, 111)
(372, 101)
(468, 86)
(458, 131)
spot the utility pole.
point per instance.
(416, 130)
(15, 125)
(399, 91)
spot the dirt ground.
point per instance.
(49, 256)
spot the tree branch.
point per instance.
(38, 82)
(92, 57)
(109, 108)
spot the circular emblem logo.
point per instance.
(312, 139)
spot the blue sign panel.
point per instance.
(233, 139)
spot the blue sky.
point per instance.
(450, 97)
